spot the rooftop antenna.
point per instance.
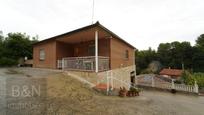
(92, 13)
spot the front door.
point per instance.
(132, 78)
(76, 52)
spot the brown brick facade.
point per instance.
(117, 54)
(77, 43)
(50, 55)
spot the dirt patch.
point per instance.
(64, 95)
(12, 71)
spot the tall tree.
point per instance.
(198, 55)
(164, 54)
(175, 54)
(144, 58)
(1, 45)
(18, 45)
(15, 46)
(200, 41)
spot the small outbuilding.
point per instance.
(171, 73)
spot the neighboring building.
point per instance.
(171, 73)
(91, 48)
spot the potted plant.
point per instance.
(133, 92)
(122, 92)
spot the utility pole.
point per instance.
(92, 20)
(1, 33)
(183, 66)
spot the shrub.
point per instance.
(199, 77)
(7, 62)
(190, 79)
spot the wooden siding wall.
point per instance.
(117, 54)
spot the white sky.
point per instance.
(142, 23)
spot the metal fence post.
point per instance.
(111, 80)
(195, 87)
(153, 84)
(63, 64)
(172, 84)
(107, 82)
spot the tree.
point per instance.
(200, 41)
(15, 46)
(18, 45)
(175, 54)
(1, 45)
(164, 54)
(144, 58)
(198, 55)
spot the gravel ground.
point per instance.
(63, 95)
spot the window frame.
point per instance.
(126, 54)
(41, 54)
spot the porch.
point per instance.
(87, 50)
(86, 63)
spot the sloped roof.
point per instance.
(97, 24)
(171, 72)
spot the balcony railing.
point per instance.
(84, 63)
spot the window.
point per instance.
(91, 50)
(126, 54)
(42, 54)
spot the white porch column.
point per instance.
(96, 51)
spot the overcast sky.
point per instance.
(142, 23)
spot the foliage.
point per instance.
(143, 58)
(15, 46)
(199, 77)
(7, 62)
(190, 79)
(198, 55)
(175, 53)
(200, 41)
(178, 55)
(133, 89)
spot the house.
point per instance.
(171, 73)
(93, 48)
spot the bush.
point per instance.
(7, 62)
(190, 79)
(199, 77)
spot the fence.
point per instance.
(153, 82)
(116, 78)
(83, 63)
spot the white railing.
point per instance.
(84, 63)
(59, 64)
(116, 78)
(168, 85)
